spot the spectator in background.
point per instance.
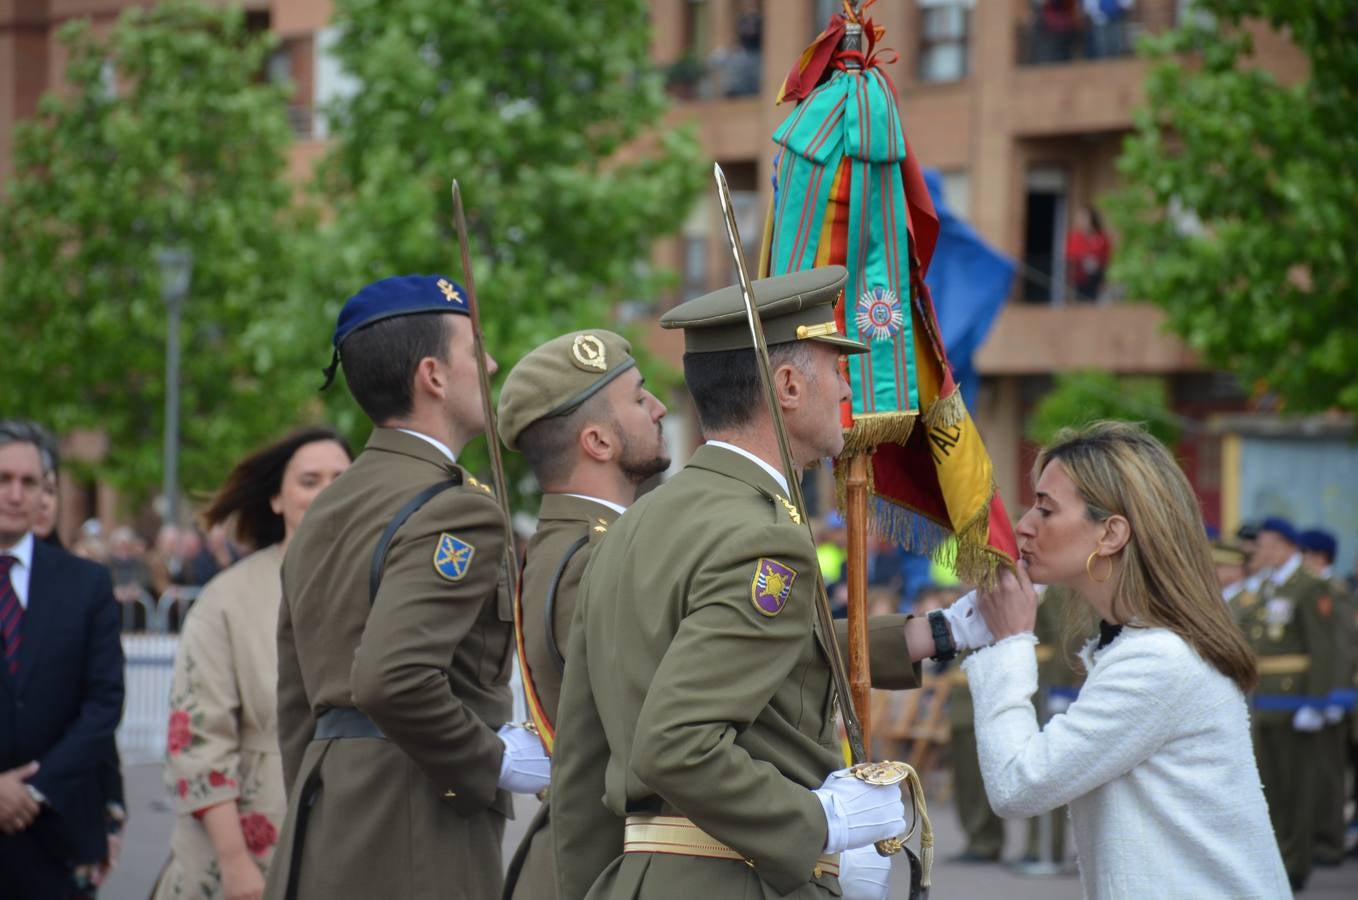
(131, 577)
(61, 692)
(1087, 253)
(89, 875)
(224, 766)
(1057, 25)
(1106, 33)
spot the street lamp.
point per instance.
(176, 265)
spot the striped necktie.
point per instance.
(11, 617)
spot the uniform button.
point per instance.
(1287, 684)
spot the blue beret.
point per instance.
(1213, 533)
(1281, 526)
(401, 295)
(1319, 541)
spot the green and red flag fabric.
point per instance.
(849, 191)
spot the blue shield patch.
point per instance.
(453, 557)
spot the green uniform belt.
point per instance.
(345, 722)
(1284, 664)
(678, 836)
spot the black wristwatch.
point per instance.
(944, 648)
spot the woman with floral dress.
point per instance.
(224, 768)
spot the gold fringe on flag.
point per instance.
(871, 429)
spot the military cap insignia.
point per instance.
(452, 557)
(449, 291)
(772, 586)
(587, 352)
(791, 510)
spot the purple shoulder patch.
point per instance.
(772, 586)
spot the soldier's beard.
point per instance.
(640, 465)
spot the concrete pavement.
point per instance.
(147, 841)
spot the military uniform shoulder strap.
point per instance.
(557, 659)
(405, 512)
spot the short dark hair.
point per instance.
(256, 480)
(380, 360)
(547, 443)
(725, 385)
(23, 431)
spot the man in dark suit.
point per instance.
(61, 690)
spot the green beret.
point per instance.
(795, 307)
(554, 379)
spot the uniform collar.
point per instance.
(438, 444)
(616, 507)
(1280, 575)
(413, 444)
(773, 473)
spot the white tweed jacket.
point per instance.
(1154, 759)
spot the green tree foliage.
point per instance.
(1078, 398)
(1238, 215)
(164, 134)
(548, 115)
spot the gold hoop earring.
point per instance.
(1089, 568)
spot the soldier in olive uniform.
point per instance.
(697, 740)
(1318, 550)
(1231, 561)
(1291, 629)
(394, 635)
(577, 408)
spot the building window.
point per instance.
(333, 84)
(945, 30)
(1044, 238)
(957, 192)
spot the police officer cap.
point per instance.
(1281, 527)
(400, 295)
(1318, 541)
(795, 307)
(554, 379)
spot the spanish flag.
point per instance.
(849, 190)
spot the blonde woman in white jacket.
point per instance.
(1154, 757)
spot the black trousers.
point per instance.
(31, 866)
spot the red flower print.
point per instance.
(217, 779)
(178, 736)
(183, 787)
(259, 833)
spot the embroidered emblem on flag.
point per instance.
(452, 557)
(879, 314)
(772, 586)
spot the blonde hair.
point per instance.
(1163, 576)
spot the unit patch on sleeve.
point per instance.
(771, 587)
(452, 557)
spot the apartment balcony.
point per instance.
(1121, 337)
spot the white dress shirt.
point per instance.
(22, 571)
(442, 447)
(777, 476)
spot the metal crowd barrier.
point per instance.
(149, 660)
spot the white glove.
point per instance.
(1334, 713)
(969, 630)
(526, 768)
(864, 873)
(1308, 719)
(858, 813)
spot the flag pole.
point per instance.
(856, 520)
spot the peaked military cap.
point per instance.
(798, 306)
(555, 378)
(1281, 527)
(1318, 541)
(1225, 553)
(400, 295)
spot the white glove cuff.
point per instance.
(836, 828)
